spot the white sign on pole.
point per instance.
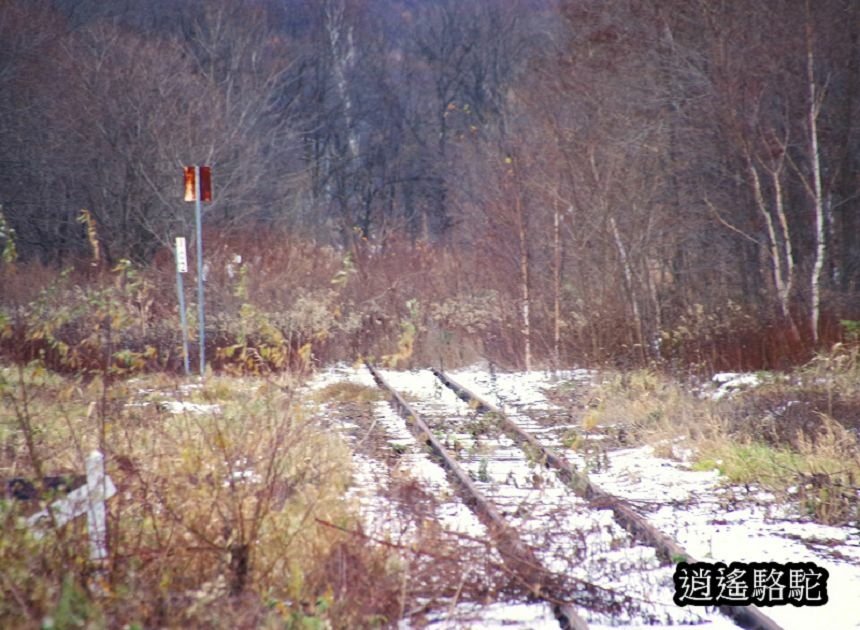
(181, 257)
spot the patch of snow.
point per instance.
(338, 373)
(453, 514)
(496, 616)
(568, 536)
(696, 510)
(243, 472)
(705, 516)
(732, 382)
(380, 516)
(181, 406)
(712, 521)
(249, 476)
(517, 389)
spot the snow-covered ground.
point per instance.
(710, 519)
(569, 537)
(383, 520)
(713, 521)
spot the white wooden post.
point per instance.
(181, 268)
(88, 499)
(96, 510)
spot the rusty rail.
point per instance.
(749, 617)
(517, 556)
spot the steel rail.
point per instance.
(517, 556)
(748, 617)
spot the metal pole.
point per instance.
(200, 307)
(183, 321)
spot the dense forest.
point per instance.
(546, 179)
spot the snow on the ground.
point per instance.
(182, 406)
(453, 515)
(569, 537)
(341, 372)
(712, 521)
(732, 382)
(382, 518)
(175, 407)
(495, 616)
(715, 523)
(413, 462)
(517, 389)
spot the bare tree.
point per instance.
(137, 107)
(815, 187)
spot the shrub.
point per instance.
(215, 519)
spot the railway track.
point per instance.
(516, 554)
(456, 575)
(578, 548)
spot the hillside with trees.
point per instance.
(512, 308)
(543, 181)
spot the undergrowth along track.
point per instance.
(668, 550)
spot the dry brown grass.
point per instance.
(650, 407)
(215, 521)
(795, 435)
(344, 391)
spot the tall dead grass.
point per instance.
(215, 519)
(276, 302)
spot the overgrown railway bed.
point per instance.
(564, 548)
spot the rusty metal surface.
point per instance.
(519, 558)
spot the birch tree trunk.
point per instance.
(524, 281)
(628, 282)
(343, 57)
(556, 333)
(816, 188)
(779, 246)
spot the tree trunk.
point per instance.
(780, 250)
(524, 282)
(628, 283)
(817, 193)
(343, 56)
(556, 336)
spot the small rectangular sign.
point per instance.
(205, 183)
(188, 173)
(181, 258)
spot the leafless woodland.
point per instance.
(550, 180)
